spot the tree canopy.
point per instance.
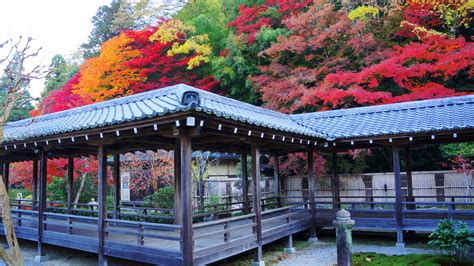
(289, 55)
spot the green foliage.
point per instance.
(464, 150)
(60, 73)
(89, 191)
(450, 237)
(111, 19)
(12, 192)
(163, 198)
(207, 17)
(22, 106)
(56, 190)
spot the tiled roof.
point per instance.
(455, 113)
(147, 105)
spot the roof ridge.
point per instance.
(105, 104)
(392, 107)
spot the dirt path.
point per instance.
(324, 254)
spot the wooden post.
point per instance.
(245, 183)
(312, 205)
(117, 184)
(335, 182)
(256, 203)
(187, 243)
(6, 174)
(409, 179)
(177, 186)
(398, 196)
(34, 186)
(41, 204)
(70, 183)
(276, 179)
(102, 211)
(289, 249)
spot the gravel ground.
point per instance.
(324, 254)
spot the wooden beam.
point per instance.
(408, 153)
(276, 179)
(177, 186)
(311, 184)
(70, 183)
(335, 182)
(102, 201)
(187, 243)
(256, 201)
(34, 186)
(245, 183)
(42, 202)
(117, 184)
(6, 173)
(398, 195)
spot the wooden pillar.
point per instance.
(70, 183)
(409, 178)
(312, 205)
(6, 174)
(117, 185)
(102, 187)
(187, 243)
(41, 204)
(245, 184)
(177, 186)
(335, 182)
(34, 186)
(398, 196)
(256, 201)
(276, 179)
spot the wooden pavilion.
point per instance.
(182, 118)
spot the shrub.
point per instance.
(56, 190)
(450, 237)
(162, 198)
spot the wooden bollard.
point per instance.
(343, 225)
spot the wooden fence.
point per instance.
(436, 185)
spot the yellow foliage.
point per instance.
(420, 31)
(364, 13)
(184, 42)
(106, 76)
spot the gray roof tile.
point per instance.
(455, 113)
(411, 117)
(145, 105)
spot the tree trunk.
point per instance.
(79, 191)
(16, 258)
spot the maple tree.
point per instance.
(150, 169)
(60, 99)
(290, 55)
(107, 76)
(334, 63)
(300, 61)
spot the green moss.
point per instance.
(363, 259)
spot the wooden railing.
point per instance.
(223, 233)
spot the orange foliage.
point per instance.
(106, 77)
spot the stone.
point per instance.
(289, 250)
(258, 263)
(343, 225)
(39, 259)
(400, 245)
